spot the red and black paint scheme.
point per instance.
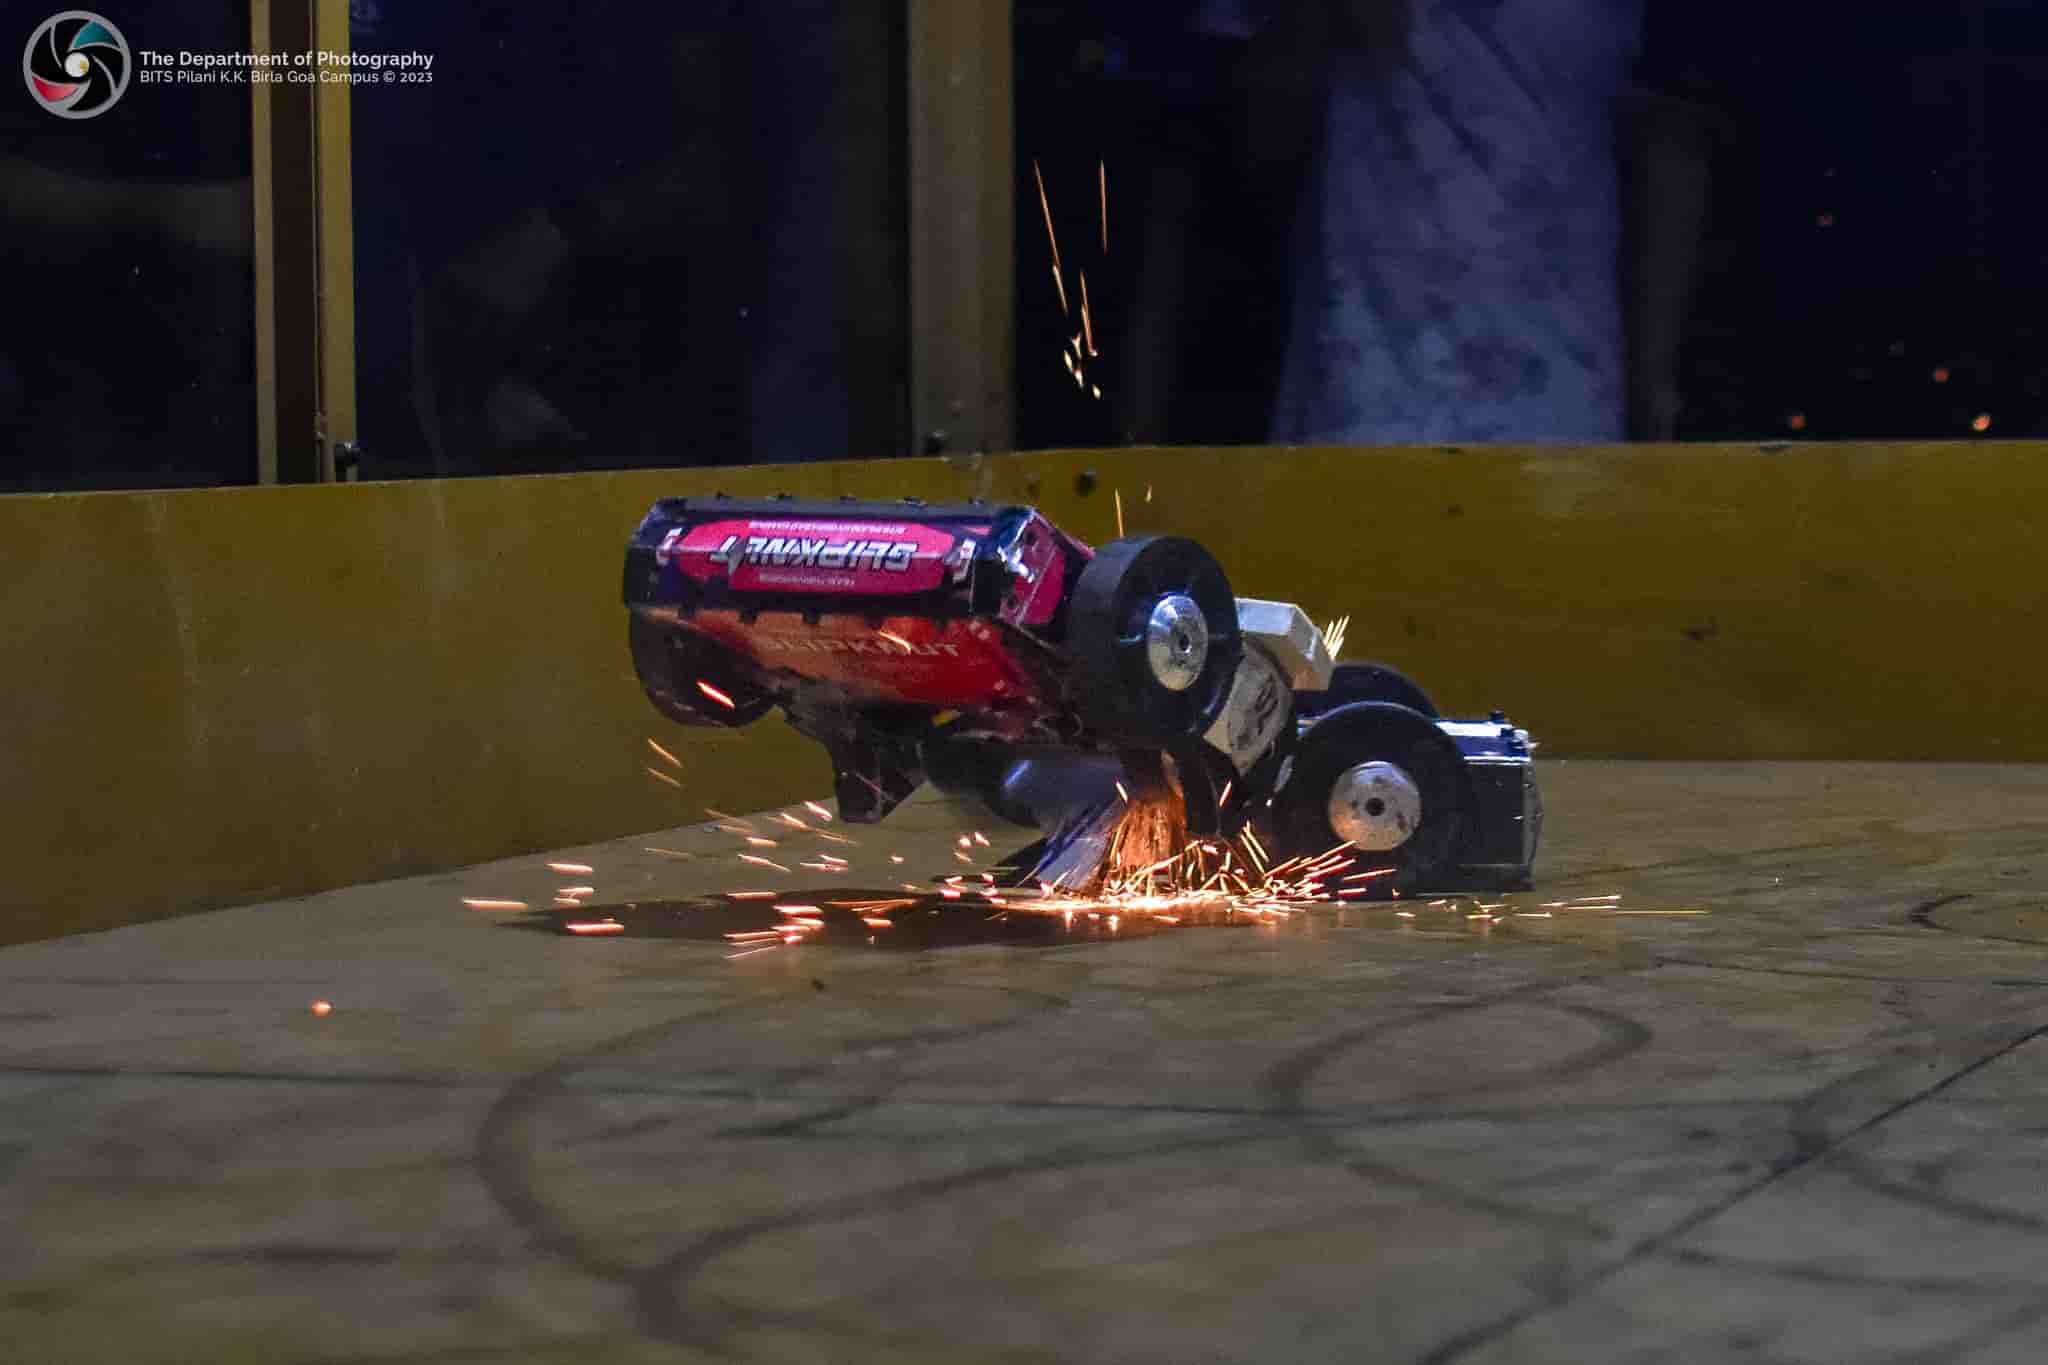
(865, 620)
(981, 648)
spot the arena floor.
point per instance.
(1806, 1125)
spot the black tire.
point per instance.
(1377, 732)
(671, 662)
(1121, 696)
(1360, 681)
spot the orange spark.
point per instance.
(577, 891)
(1102, 186)
(820, 811)
(660, 776)
(749, 895)
(1087, 321)
(893, 638)
(673, 760)
(322, 1008)
(708, 690)
(477, 903)
(572, 869)
(761, 862)
(758, 841)
(1045, 205)
(602, 926)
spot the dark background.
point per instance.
(638, 234)
(1872, 212)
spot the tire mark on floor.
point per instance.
(513, 1182)
(661, 1291)
(1464, 1343)
(1867, 1170)
(1923, 913)
(2011, 983)
(1286, 1087)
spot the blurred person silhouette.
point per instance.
(1461, 238)
(1372, 221)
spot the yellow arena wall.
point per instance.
(222, 696)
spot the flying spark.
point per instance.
(660, 776)
(671, 759)
(708, 690)
(1051, 237)
(1087, 320)
(477, 903)
(1333, 635)
(572, 869)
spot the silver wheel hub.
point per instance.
(1375, 806)
(1176, 642)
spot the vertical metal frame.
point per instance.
(334, 241)
(266, 245)
(962, 129)
(305, 249)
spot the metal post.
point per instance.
(962, 129)
(263, 181)
(304, 237)
(334, 223)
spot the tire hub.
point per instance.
(1375, 806)
(1176, 642)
